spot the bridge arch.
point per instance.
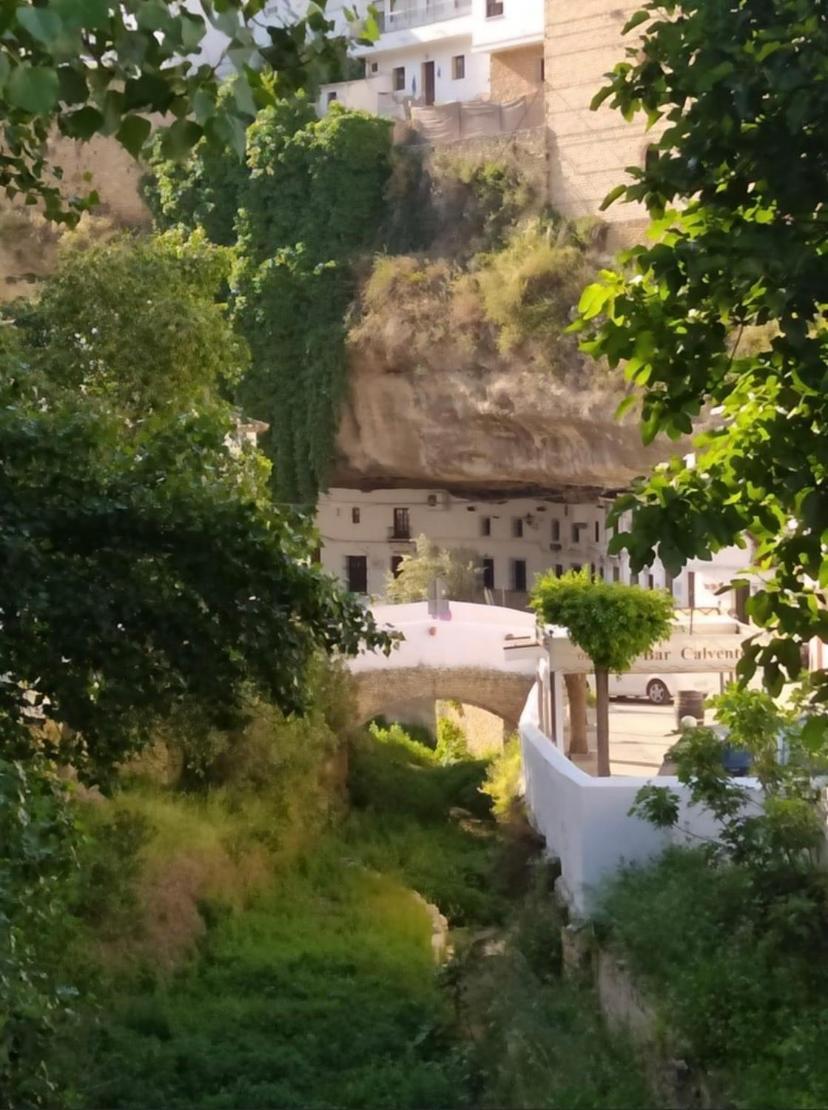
(479, 655)
(504, 695)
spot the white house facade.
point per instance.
(364, 537)
(433, 52)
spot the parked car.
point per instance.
(661, 689)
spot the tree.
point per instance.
(93, 67)
(612, 623)
(724, 313)
(455, 567)
(146, 572)
(135, 323)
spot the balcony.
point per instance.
(399, 534)
(405, 14)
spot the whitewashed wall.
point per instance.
(585, 821)
(522, 23)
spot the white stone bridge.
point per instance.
(481, 655)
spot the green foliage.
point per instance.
(294, 277)
(783, 841)
(735, 186)
(487, 198)
(320, 994)
(738, 975)
(39, 842)
(382, 777)
(455, 567)
(504, 780)
(88, 67)
(452, 742)
(611, 622)
(530, 287)
(135, 322)
(142, 579)
(533, 1028)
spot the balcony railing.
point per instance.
(399, 535)
(404, 14)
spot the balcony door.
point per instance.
(428, 82)
(402, 525)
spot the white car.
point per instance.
(661, 689)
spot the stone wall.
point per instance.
(589, 151)
(516, 73)
(495, 691)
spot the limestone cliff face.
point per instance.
(509, 431)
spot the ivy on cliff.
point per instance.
(308, 202)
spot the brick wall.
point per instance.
(588, 151)
(516, 73)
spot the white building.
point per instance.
(364, 537)
(433, 52)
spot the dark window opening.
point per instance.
(650, 582)
(493, 8)
(577, 528)
(332, 97)
(399, 78)
(519, 575)
(616, 574)
(488, 574)
(356, 567)
(485, 526)
(402, 525)
(354, 516)
(542, 70)
(458, 67)
(559, 570)
(597, 532)
(556, 531)
(396, 563)
(517, 527)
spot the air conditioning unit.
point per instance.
(437, 501)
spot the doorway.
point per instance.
(428, 82)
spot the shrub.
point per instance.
(452, 743)
(531, 286)
(504, 781)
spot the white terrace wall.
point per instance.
(585, 821)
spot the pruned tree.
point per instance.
(611, 622)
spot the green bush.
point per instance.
(739, 978)
(452, 742)
(530, 286)
(504, 780)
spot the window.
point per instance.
(650, 582)
(691, 589)
(559, 570)
(356, 569)
(488, 574)
(616, 574)
(354, 516)
(458, 67)
(593, 571)
(542, 71)
(396, 563)
(519, 576)
(332, 97)
(399, 78)
(485, 526)
(577, 529)
(402, 525)
(517, 527)
(556, 531)
(375, 67)
(633, 579)
(597, 532)
(493, 8)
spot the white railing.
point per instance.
(402, 15)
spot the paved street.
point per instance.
(640, 734)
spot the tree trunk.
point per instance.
(602, 713)
(576, 693)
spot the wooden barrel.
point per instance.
(690, 703)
